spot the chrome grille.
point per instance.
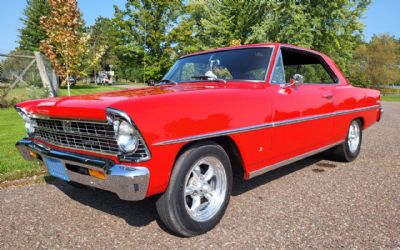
(84, 135)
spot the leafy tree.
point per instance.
(145, 34)
(332, 27)
(32, 32)
(65, 45)
(376, 63)
(222, 23)
(101, 45)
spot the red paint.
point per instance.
(175, 111)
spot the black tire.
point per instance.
(342, 152)
(172, 205)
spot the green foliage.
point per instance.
(32, 32)
(102, 44)
(376, 63)
(332, 27)
(145, 29)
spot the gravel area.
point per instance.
(314, 203)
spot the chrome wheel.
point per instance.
(353, 138)
(205, 188)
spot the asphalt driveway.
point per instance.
(314, 203)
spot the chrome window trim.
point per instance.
(263, 125)
(279, 54)
(239, 48)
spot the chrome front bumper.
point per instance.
(129, 183)
(380, 113)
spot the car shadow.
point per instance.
(241, 186)
(138, 213)
(141, 213)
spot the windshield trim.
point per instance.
(239, 48)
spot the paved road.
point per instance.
(314, 203)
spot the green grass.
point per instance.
(85, 89)
(12, 165)
(391, 98)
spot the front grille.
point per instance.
(84, 135)
(92, 136)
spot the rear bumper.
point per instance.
(129, 183)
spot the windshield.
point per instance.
(237, 64)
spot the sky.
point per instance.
(382, 16)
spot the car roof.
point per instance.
(254, 45)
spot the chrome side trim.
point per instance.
(263, 125)
(291, 160)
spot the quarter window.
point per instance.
(279, 73)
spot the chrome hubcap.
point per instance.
(205, 188)
(353, 139)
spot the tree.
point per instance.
(66, 43)
(332, 27)
(145, 35)
(376, 63)
(32, 32)
(102, 45)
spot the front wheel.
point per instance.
(198, 192)
(350, 148)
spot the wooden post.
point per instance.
(43, 74)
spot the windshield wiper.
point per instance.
(167, 81)
(209, 78)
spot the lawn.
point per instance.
(85, 89)
(12, 165)
(391, 98)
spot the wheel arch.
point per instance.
(230, 147)
(361, 119)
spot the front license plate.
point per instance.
(56, 168)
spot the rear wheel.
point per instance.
(199, 190)
(350, 148)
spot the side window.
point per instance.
(310, 66)
(279, 73)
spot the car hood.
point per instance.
(92, 106)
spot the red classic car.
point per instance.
(240, 110)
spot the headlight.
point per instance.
(127, 137)
(29, 125)
(130, 142)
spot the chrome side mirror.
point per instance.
(295, 81)
(298, 79)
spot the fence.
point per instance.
(25, 76)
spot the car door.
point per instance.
(300, 111)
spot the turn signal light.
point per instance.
(33, 154)
(97, 174)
